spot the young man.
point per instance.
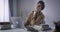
(36, 17)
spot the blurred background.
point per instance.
(22, 8)
(16, 11)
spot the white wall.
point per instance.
(52, 11)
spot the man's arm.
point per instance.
(28, 19)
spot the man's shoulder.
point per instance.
(42, 15)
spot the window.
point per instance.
(4, 11)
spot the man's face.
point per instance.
(39, 6)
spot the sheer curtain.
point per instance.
(4, 10)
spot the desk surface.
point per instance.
(21, 30)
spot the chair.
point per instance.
(17, 22)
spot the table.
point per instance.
(21, 30)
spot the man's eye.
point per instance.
(38, 6)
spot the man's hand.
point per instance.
(32, 22)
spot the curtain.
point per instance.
(4, 10)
